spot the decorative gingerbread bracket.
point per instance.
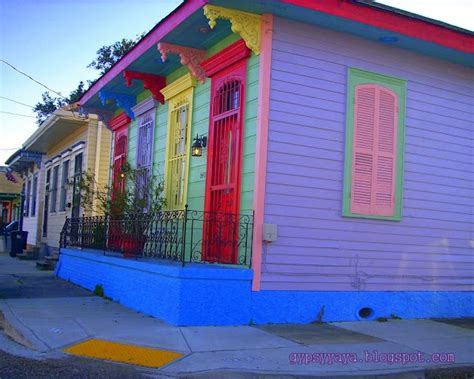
(248, 25)
(189, 57)
(124, 101)
(153, 83)
(103, 114)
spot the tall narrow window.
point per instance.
(76, 191)
(120, 157)
(54, 189)
(34, 194)
(146, 124)
(374, 146)
(180, 97)
(47, 187)
(228, 72)
(62, 206)
(119, 125)
(178, 155)
(27, 197)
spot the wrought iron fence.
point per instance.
(182, 236)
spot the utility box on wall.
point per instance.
(270, 232)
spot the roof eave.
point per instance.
(160, 30)
(51, 122)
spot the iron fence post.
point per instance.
(251, 238)
(82, 230)
(183, 247)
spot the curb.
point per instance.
(19, 333)
(462, 371)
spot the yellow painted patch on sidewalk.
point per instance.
(120, 352)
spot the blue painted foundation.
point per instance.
(216, 295)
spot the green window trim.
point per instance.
(357, 77)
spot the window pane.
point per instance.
(34, 194)
(64, 186)
(177, 157)
(54, 189)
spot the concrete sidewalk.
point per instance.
(351, 348)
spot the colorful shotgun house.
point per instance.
(316, 159)
(10, 196)
(51, 162)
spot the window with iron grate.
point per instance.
(227, 97)
(178, 150)
(120, 157)
(179, 95)
(146, 124)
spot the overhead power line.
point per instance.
(18, 102)
(29, 77)
(17, 114)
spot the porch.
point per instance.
(182, 236)
(186, 267)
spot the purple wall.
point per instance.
(317, 248)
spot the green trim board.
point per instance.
(200, 125)
(398, 86)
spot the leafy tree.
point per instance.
(46, 106)
(49, 103)
(107, 56)
(77, 93)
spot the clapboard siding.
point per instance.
(318, 249)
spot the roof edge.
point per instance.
(161, 29)
(394, 20)
(57, 116)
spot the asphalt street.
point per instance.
(26, 282)
(15, 367)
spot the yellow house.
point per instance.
(50, 162)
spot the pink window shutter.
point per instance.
(385, 165)
(363, 149)
(374, 151)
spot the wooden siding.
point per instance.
(96, 158)
(56, 219)
(32, 224)
(431, 248)
(200, 125)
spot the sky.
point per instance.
(53, 41)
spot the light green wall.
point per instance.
(200, 125)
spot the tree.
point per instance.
(49, 104)
(134, 200)
(107, 56)
(78, 92)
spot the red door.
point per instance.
(119, 125)
(120, 157)
(222, 198)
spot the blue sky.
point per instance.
(54, 41)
